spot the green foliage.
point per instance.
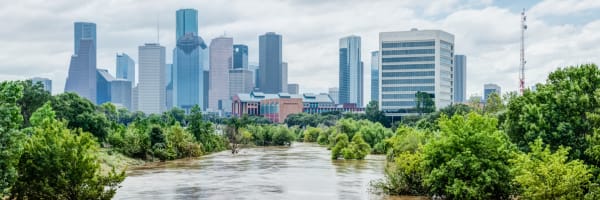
(58, 163)
(269, 135)
(203, 131)
(311, 134)
(374, 134)
(493, 103)
(341, 142)
(323, 138)
(406, 140)
(405, 175)
(81, 113)
(425, 103)
(373, 114)
(560, 112)
(304, 120)
(157, 136)
(133, 141)
(357, 149)
(182, 142)
(34, 97)
(10, 136)
(469, 160)
(545, 175)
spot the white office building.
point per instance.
(151, 97)
(413, 61)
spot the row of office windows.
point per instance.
(403, 74)
(402, 96)
(409, 59)
(407, 52)
(398, 103)
(446, 53)
(446, 45)
(408, 88)
(409, 81)
(413, 66)
(407, 44)
(445, 60)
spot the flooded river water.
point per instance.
(302, 171)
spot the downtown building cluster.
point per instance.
(217, 77)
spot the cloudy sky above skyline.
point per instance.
(36, 35)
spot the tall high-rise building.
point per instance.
(255, 71)
(188, 72)
(489, 89)
(186, 21)
(82, 71)
(125, 67)
(240, 56)
(47, 83)
(221, 57)
(103, 80)
(284, 76)
(206, 86)
(293, 88)
(334, 93)
(240, 81)
(350, 71)
(114, 90)
(415, 61)
(83, 30)
(460, 78)
(151, 91)
(375, 76)
(270, 63)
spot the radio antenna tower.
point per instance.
(522, 72)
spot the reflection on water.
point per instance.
(303, 171)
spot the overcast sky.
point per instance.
(36, 37)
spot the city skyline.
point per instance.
(490, 41)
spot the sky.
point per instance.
(37, 35)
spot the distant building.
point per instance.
(151, 87)
(270, 63)
(169, 87)
(115, 91)
(240, 56)
(375, 76)
(81, 31)
(254, 68)
(334, 93)
(350, 71)
(460, 78)
(103, 86)
(221, 55)
(240, 81)
(489, 89)
(293, 88)
(415, 61)
(284, 76)
(82, 71)
(125, 67)
(47, 83)
(188, 72)
(186, 21)
(206, 88)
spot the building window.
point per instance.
(404, 74)
(408, 81)
(407, 44)
(408, 88)
(408, 52)
(413, 66)
(409, 59)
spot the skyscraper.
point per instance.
(460, 78)
(151, 95)
(293, 88)
(375, 76)
(47, 83)
(334, 93)
(103, 86)
(206, 86)
(284, 76)
(82, 71)
(188, 72)
(489, 89)
(240, 56)
(270, 63)
(240, 81)
(83, 30)
(415, 61)
(350, 72)
(125, 67)
(186, 21)
(114, 90)
(169, 87)
(221, 57)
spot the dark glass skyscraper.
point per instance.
(240, 56)
(270, 63)
(460, 78)
(186, 22)
(83, 30)
(82, 68)
(375, 76)
(188, 72)
(351, 71)
(125, 67)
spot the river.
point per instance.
(302, 171)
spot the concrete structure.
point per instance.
(47, 83)
(270, 62)
(293, 88)
(350, 71)
(334, 93)
(375, 76)
(240, 81)
(413, 61)
(82, 71)
(221, 57)
(489, 89)
(240, 56)
(125, 67)
(460, 78)
(151, 88)
(188, 72)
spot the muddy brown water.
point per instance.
(302, 171)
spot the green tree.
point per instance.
(373, 114)
(183, 142)
(10, 136)
(311, 134)
(493, 103)
(546, 175)
(560, 112)
(203, 131)
(81, 113)
(424, 102)
(469, 160)
(58, 163)
(34, 97)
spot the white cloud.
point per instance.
(563, 7)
